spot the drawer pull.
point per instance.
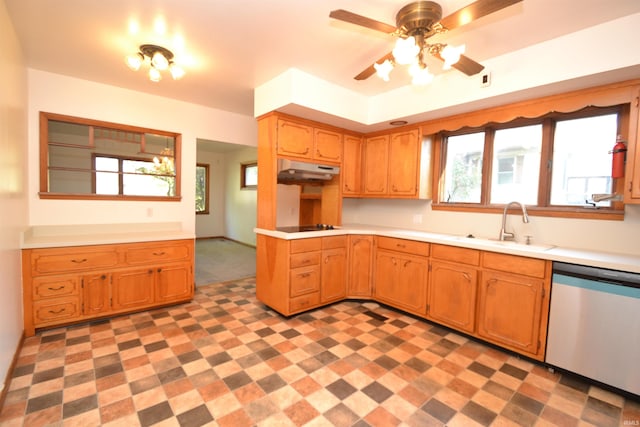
(400, 245)
(62, 310)
(304, 275)
(59, 288)
(79, 261)
(159, 253)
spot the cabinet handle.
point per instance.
(400, 245)
(159, 253)
(159, 270)
(79, 261)
(304, 275)
(62, 310)
(467, 276)
(56, 289)
(407, 263)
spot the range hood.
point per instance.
(292, 170)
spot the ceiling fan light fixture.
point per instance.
(451, 55)
(383, 70)
(159, 59)
(406, 50)
(420, 74)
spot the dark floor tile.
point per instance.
(481, 369)
(478, 413)
(52, 338)
(42, 402)
(326, 357)
(328, 342)
(77, 340)
(155, 346)
(108, 370)
(519, 415)
(377, 392)
(237, 380)
(271, 383)
(171, 375)
(290, 333)
(155, 414)
(49, 374)
(79, 378)
(126, 345)
(387, 362)
(23, 370)
(341, 389)
(189, 356)
(438, 410)
(78, 406)
(144, 384)
(513, 371)
(527, 403)
(219, 358)
(195, 417)
(341, 415)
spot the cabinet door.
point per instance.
(352, 166)
(452, 295)
(404, 156)
(132, 289)
(294, 139)
(360, 266)
(401, 281)
(327, 146)
(174, 283)
(95, 294)
(376, 165)
(333, 274)
(509, 310)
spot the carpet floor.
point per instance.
(220, 260)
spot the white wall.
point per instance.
(65, 95)
(13, 187)
(241, 205)
(232, 211)
(607, 236)
(212, 224)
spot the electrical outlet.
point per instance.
(485, 79)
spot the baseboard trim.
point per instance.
(9, 375)
(227, 238)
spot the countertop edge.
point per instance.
(613, 261)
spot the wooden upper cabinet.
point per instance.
(404, 158)
(295, 139)
(352, 166)
(632, 170)
(307, 142)
(376, 165)
(327, 146)
(397, 165)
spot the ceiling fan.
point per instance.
(415, 23)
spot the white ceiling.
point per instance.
(230, 47)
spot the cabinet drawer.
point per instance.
(304, 302)
(48, 261)
(157, 253)
(56, 310)
(305, 245)
(402, 245)
(334, 242)
(455, 254)
(305, 259)
(304, 280)
(54, 287)
(514, 264)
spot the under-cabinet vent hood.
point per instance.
(291, 170)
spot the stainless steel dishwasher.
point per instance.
(594, 324)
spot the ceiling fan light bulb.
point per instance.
(421, 75)
(154, 75)
(406, 50)
(176, 71)
(383, 70)
(159, 61)
(451, 55)
(134, 61)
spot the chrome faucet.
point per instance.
(505, 235)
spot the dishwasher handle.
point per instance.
(623, 278)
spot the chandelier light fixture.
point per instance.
(159, 59)
(411, 51)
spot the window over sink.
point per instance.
(91, 159)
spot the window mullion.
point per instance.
(489, 134)
(546, 163)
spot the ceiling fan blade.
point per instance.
(370, 70)
(363, 21)
(465, 65)
(474, 11)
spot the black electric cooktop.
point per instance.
(302, 228)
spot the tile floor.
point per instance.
(226, 360)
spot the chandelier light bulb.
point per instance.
(451, 55)
(383, 70)
(154, 75)
(134, 61)
(176, 71)
(420, 75)
(159, 61)
(406, 51)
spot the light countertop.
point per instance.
(614, 261)
(50, 236)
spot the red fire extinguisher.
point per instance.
(617, 166)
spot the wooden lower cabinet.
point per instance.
(73, 284)
(333, 274)
(453, 283)
(400, 279)
(513, 306)
(359, 282)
